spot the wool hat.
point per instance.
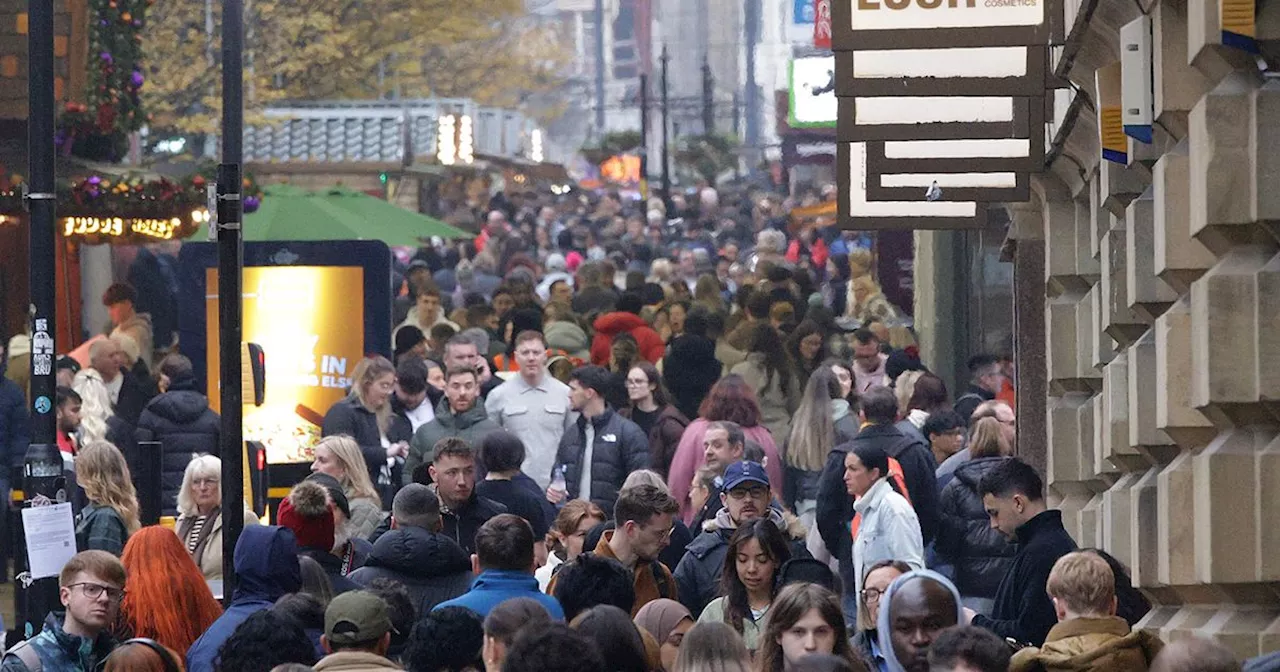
(407, 337)
(306, 512)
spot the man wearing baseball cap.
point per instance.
(744, 497)
(357, 634)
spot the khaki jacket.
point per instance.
(1090, 645)
(354, 661)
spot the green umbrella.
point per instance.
(337, 213)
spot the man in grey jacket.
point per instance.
(458, 415)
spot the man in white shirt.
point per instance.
(534, 406)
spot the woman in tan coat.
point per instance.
(199, 525)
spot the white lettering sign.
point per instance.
(924, 14)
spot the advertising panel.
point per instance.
(302, 318)
(813, 92)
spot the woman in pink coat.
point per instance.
(730, 399)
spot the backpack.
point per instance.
(26, 653)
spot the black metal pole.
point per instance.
(599, 20)
(230, 263)
(42, 465)
(666, 158)
(644, 135)
(752, 28)
(708, 99)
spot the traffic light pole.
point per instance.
(42, 466)
(230, 264)
(644, 136)
(666, 158)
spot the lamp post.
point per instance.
(230, 264)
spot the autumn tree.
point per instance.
(349, 49)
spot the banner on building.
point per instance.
(812, 88)
(822, 24)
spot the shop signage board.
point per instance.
(940, 107)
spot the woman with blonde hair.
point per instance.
(199, 525)
(340, 457)
(965, 538)
(366, 416)
(112, 513)
(713, 647)
(708, 292)
(568, 536)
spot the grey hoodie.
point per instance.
(882, 621)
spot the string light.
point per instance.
(446, 143)
(535, 146)
(466, 143)
(115, 227)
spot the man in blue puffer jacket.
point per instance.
(266, 563)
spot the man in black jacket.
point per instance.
(596, 456)
(181, 420)
(985, 380)
(432, 567)
(453, 473)
(1013, 496)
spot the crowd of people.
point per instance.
(609, 438)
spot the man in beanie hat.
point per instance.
(410, 341)
(357, 634)
(308, 512)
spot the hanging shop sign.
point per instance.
(812, 89)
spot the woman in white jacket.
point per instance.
(885, 526)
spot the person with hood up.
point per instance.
(563, 333)
(266, 563)
(182, 422)
(625, 320)
(691, 366)
(557, 269)
(432, 567)
(915, 609)
(745, 496)
(457, 416)
(1089, 636)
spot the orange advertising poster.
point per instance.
(309, 321)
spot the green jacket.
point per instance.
(100, 528)
(715, 613)
(471, 426)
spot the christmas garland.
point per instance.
(98, 130)
(130, 196)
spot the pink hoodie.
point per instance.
(690, 456)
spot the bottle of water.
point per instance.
(558, 483)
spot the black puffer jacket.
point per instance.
(620, 448)
(980, 554)
(351, 418)
(431, 566)
(181, 420)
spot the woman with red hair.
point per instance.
(731, 399)
(166, 597)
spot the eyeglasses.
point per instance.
(754, 493)
(202, 482)
(871, 595)
(94, 591)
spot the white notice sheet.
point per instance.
(51, 538)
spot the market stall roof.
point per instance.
(337, 213)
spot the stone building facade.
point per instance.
(1147, 304)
